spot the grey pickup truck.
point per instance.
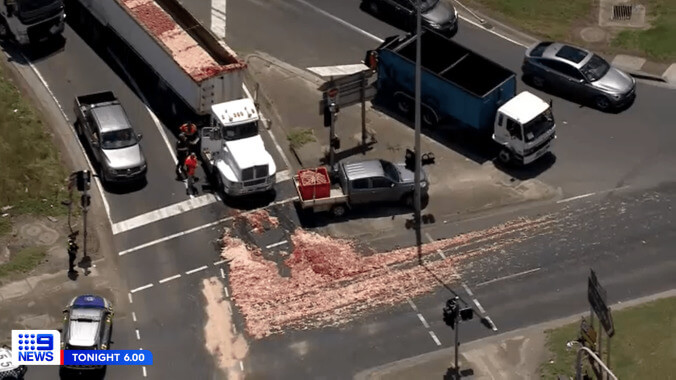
(366, 182)
(104, 128)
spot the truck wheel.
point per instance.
(4, 29)
(429, 118)
(338, 210)
(538, 82)
(404, 104)
(505, 156)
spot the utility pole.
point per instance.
(332, 134)
(85, 208)
(416, 192)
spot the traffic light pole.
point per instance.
(416, 192)
(332, 135)
(457, 346)
(85, 208)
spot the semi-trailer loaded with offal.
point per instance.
(460, 85)
(207, 75)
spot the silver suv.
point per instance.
(87, 325)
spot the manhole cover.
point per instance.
(622, 12)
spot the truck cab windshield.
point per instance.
(240, 131)
(27, 6)
(541, 124)
(122, 138)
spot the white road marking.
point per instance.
(130, 300)
(241, 366)
(434, 337)
(106, 206)
(413, 306)
(478, 305)
(273, 245)
(225, 288)
(198, 228)
(133, 316)
(142, 288)
(218, 17)
(219, 262)
(282, 176)
(222, 273)
(508, 276)
(272, 136)
(467, 289)
(341, 21)
(163, 213)
(493, 326)
(162, 281)
(590, 194)
(138, 335)
(440, 252)
(203, 267)
(424, 322)
(145, 374)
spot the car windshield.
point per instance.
(390, 170)
(427, 4)
(121, 138)
(31, 5)
(541, 124)
(595, 69)
(240, 131)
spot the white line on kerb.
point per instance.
(508, 276)
(130, 300)
(434, 337)
(195, 229)
(273, 245)
(203, 267)
(424, 322)
(138, 335)
(145, 374)
(478, 305)
(163, 213)
(133, 316)
(162, 281)
(142, 288)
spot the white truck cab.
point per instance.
(31, 21)
(233, 151)
(525, 128)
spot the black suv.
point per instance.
(437, 15)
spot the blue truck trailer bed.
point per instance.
(456, 82)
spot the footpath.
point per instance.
(514, 355)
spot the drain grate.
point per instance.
(622, 12)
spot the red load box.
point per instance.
(314, 183)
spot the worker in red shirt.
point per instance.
(190, 167)
(190, 132)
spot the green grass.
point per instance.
(658, 42)
(24, 261)
(32, 176)
(299, 137)
(549, 19)
(644, 345)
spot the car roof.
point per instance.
(110, 118)
(569, 54)
(363, 169)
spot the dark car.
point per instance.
(87, 325)
(437, 15)
(578, 73)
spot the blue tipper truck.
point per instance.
(459, 85)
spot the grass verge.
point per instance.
(658, 42)
(299, 137)
(32, 175)
(643, 346)
(23, 261)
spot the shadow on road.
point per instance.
(84, 374)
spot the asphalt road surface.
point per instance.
(595, 152)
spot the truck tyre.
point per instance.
(428, 117)
(404, 104)
(338, 210)
(537, 81)
(505, 156)
(4, 29)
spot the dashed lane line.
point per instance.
(508, 277)
(162, 281)
(273, 245)
(434, 338)
(138, 335)
(424, 322)
(203, 267)
(133, 316)
(144, 287)
(198, 228)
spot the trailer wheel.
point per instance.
(338, 210)
(4, 29)
(505, 156)
(404, 104)
(429, 118)
(538, 82)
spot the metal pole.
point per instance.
(416, 193)
(457, 345)
(85, 208)
(332, 135)
(363, 112)
(608, 361)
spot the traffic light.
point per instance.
(86, 200)
(450, 312)
(466, 314)
(335, 142)
(327, 115)
(427, 159)
(409, 160)
(82, 180)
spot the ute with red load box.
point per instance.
(361, 182)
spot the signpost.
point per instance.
(598, 297)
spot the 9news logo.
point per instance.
(36, 347)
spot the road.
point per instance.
(595, 152)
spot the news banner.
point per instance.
(43, 347)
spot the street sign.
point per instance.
(588, 333)
(332, 93)
(350, 98)
(346, 80)
(597, 299)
